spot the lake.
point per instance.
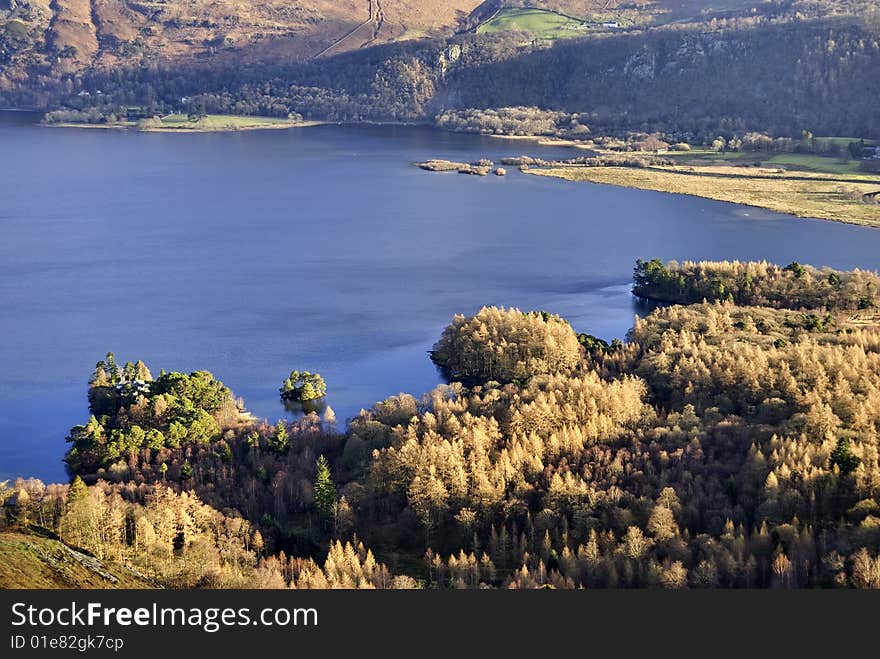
(251, 254)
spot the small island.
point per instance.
(478, 168)
(303, 386)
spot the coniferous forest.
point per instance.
(730, 441)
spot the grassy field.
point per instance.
(537, 22)
(822, 196)
(842, 142)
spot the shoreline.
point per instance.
(409, 124)
(539, 140)
(84, 126)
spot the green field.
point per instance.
(842, 142)
(220, 122)
(806, 161)
(815, 163)
(537, 22)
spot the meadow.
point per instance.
(539, 23)
(816, 163)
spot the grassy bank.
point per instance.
(805, 194)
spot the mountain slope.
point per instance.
(68, 35)
(57, 37)
(32, 561)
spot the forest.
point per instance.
(794, 286)
(730, 441)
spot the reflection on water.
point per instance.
(298, 408)
(252, 254)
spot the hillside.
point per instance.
(70, 35)
(694, 70)
(28, 560)
(691, 83)
(52, 38)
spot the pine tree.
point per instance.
(325, 490)
(253, 440)
(844, 458)
(307, 391)
(77, 491)
(99, 377)
(280, 438)
(113, 370)
(142, 372)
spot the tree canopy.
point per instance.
(505, 345)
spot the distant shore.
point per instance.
(85, 125)
(544, 140)
(208, 124)
(278, 126)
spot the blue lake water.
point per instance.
(251, 254)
